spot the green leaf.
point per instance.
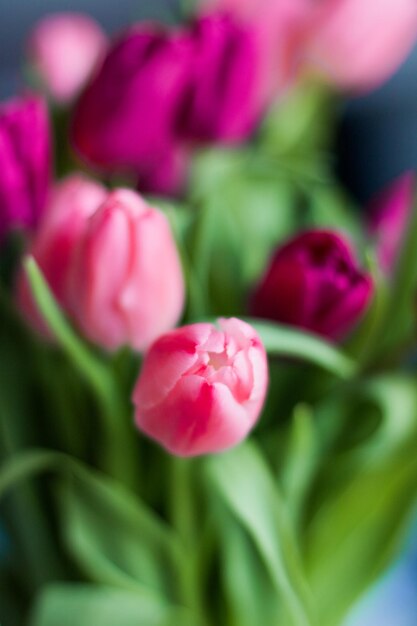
(87, 605)
(109, 532)
(250, 596)
(367, 501)
(249, 491)
(90, 366)
(114, 537)
(302, 122)
(301, 459)
(285, 341)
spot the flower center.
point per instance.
(217, 360)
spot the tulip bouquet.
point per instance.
(208, 398)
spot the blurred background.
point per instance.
(377, 141)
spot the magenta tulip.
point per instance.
(314, 282)
(25, 162)
(202, 388)
(388, 216)
(223, 102)
(63, 50)
(159, 93)
(126, 119)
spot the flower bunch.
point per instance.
(208, 344)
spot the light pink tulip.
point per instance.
(358, 44)
(202, 388)
(71, 203)
(127, 281)
(64, 49)
(354, 44)
(110, 261)
(388, 216)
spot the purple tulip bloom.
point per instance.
(224, 98)
(160, 92)
(25, 162)
(314, 282)
(125, 120)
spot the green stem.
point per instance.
(184, 522)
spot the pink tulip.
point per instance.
(201, 389)
(388, 216)
(127, 281)
(278, 26)
(64, 49)
(314, 282)
(358, 44)
(110, 261)
(70, 205)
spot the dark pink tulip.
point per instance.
(202, 388)
(63, 49)
(224, 99)
(388, 216)
(314, 282)
(25, 162)
(125, 120)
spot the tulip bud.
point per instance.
(223, 101)
(127, 281)
(388, 216)
(125, 120)
(201, 389)
(314, 282)
(70, 205)
(64, 49)
(358, 44)
(24, 162)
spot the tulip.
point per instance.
(64, 49)
(223, 101)
(314, 282)
(358, 44)
(353, 44)
(24, 162)
(127, 284)
(202, 388)
(388, 216)
(278, 27)
(125, 120)
(159, 93)
(71, 203)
